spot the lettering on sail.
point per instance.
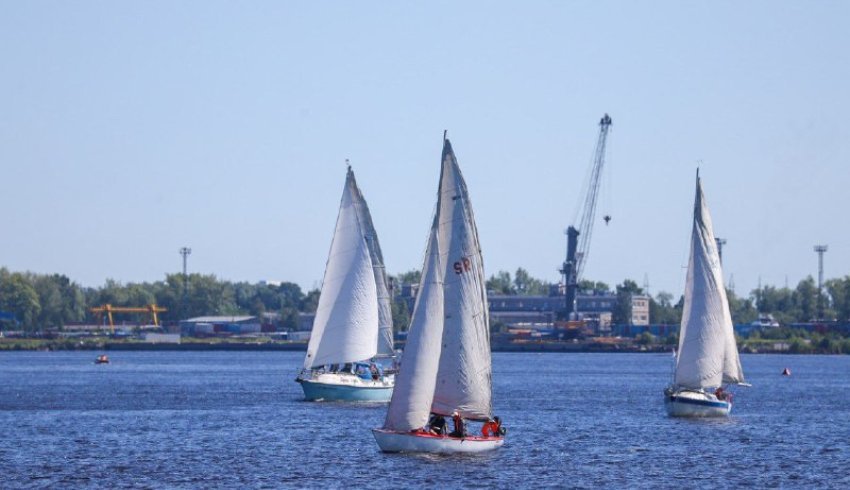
(463, 265)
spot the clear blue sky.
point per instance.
(130, 129)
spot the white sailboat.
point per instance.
(352, 330)
(446, 369)
(707, 358)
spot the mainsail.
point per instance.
(346, 325)
(446, 366)
(708, 355)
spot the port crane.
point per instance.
(151, 309)
(578, 239)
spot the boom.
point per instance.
(578, 239)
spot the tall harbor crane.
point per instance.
(578, 239)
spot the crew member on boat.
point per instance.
(437, 425)
(460, 426)
(492, 428)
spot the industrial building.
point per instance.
(219, 325)
(541, 312)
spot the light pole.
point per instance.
(820, 249)
(185, 251)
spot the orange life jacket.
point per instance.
(490, 429)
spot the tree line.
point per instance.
(30, 301)
(39, 301)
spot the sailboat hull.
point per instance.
(342, 387)
(695, 404)
(414, 442)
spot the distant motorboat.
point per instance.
(447, 367)
(353, 330)
(765, 321)
(707, 357)
(101, 359)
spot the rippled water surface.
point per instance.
(236, 419)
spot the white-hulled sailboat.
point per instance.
(446, 368)
(352, 331)
(708, 356)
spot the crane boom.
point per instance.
(578, 239)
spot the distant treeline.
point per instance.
(39, 301)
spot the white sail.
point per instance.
(464, 377)
(446, 365)
(414, 384)
(708, 355)
(385, 315)
(346, 325)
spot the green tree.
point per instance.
(310, 301)
(206, 296)
(839, 294)
(18, 296)
(780, 302)
(742, 309)
(289, 318)
(525, 284)
(501, 283)
(663, 311)
(246, 296)
(806, 296)
(622, 314)
(61, 300)
(799, 346)
(409, 277)
(291, 295)
(401, 315)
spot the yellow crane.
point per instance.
(151, 309)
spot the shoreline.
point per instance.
(10, 345)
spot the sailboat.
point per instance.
(707, 357)
(446, 371)
(352, 337)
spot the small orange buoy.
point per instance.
(786, 372)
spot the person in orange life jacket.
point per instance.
(493, 428)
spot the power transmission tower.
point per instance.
(820, 249)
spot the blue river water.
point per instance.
(237, 420)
